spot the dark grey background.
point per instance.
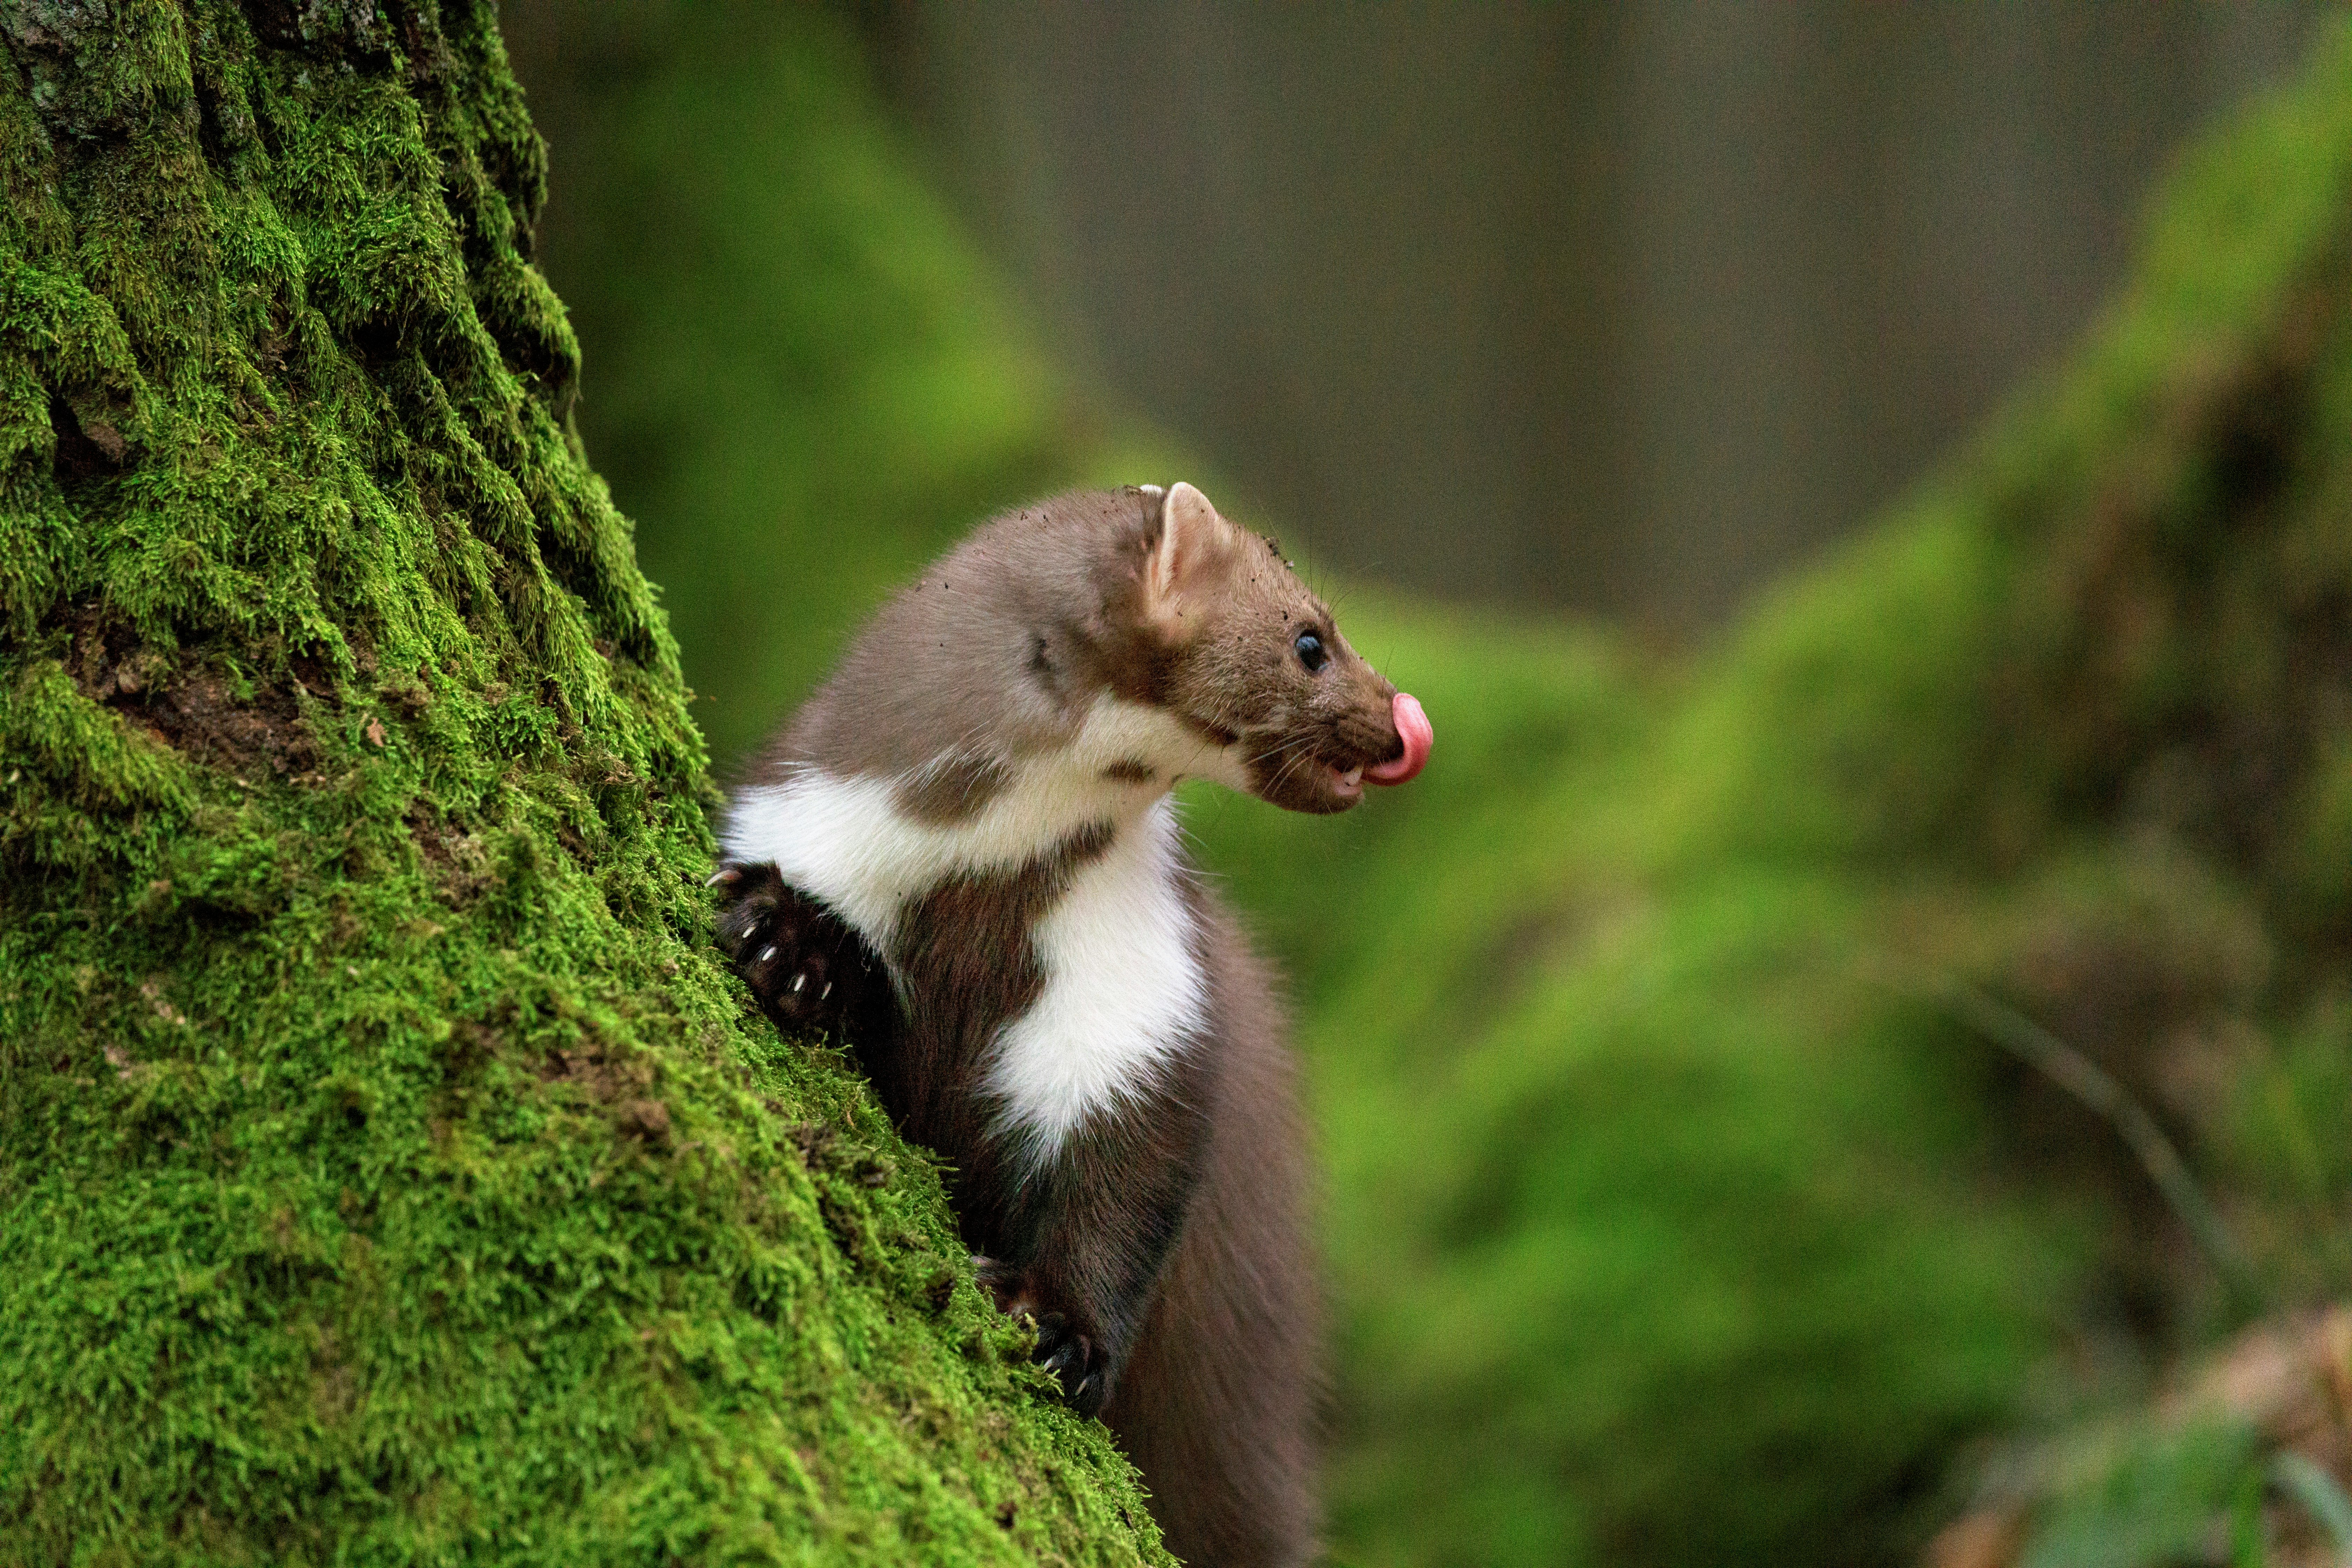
(1619, 308)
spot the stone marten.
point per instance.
(961, 857)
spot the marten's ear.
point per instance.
(1194, 546)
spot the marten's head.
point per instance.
(1248, 656)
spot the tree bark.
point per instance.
(388, 1169)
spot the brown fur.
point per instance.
(1217, 1404)
(997, 651)
(956, 791)
(1163, 1250)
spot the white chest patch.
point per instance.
(1123, 989)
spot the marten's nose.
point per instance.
(1413, 729)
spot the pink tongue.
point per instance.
(1413, 725)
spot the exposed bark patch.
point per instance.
(334, 1386)
(456, 859)
(623, 1085)
(87, 448)
(594, 1071)
(193, 706)
(353, 27)
(647, 1119)
(202, 715)
(821, 1149)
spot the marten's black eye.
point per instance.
(1310, 652)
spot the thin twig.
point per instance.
(2098, 1091)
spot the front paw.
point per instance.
(809, 970)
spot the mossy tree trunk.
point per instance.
(387, 1170)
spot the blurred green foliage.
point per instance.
(1663, 1234)
(1673, 1218)
(799, 374)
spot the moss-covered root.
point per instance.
(387, 1172)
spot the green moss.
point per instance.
(387, 1169)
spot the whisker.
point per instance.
(1284, 773)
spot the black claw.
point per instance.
(781, 941)
(1071, 1357)
(1067, 1349)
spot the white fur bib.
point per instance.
(1123, 986)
